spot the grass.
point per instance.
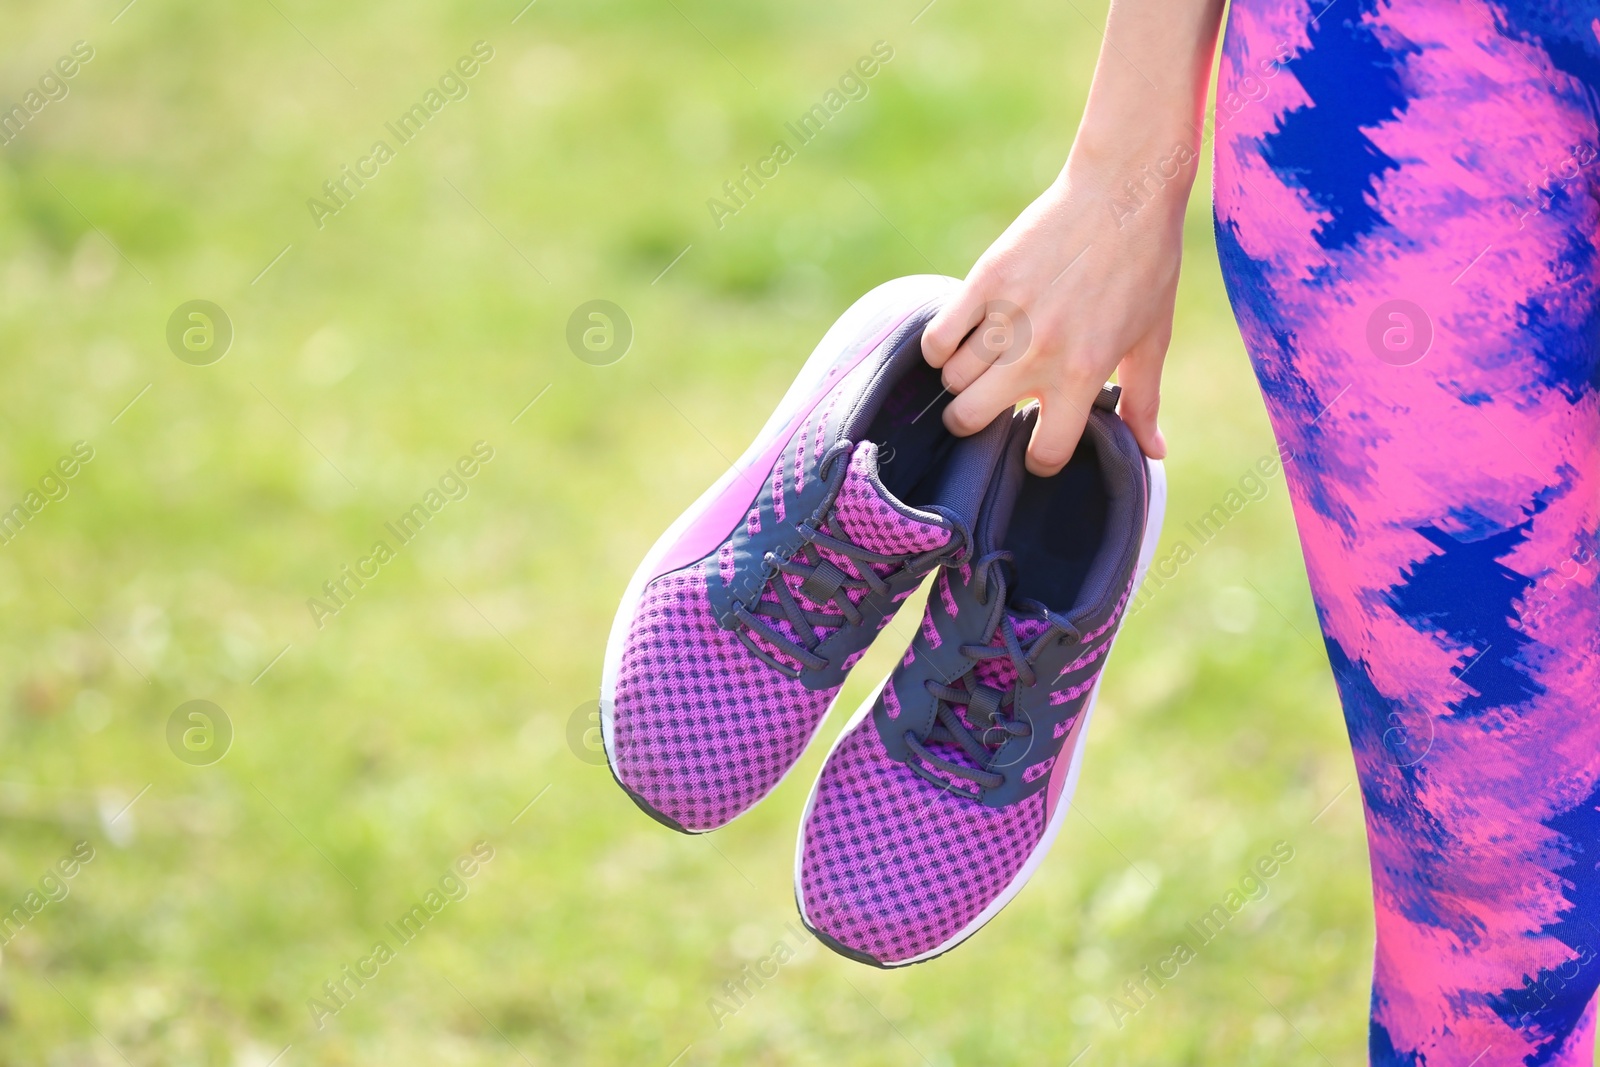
(371, 753)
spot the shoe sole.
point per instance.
(859, 332)
(1147, 548)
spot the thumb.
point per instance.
(1140, 378)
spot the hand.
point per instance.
(1081, 284)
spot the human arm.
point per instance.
(1091, 266)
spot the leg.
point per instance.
(1406, 200)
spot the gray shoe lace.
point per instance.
(823, 582)
(990, 711)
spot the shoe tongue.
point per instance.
(868, 515)
(1028, 621)
(1010, 472)
(999, 672)
(1031, 618)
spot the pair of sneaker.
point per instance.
(946, 788)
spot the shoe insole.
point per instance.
(1057, 529)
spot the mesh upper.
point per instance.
(702, 728)
(899, 857)
(894, 867)
(860, 515)
(997, 673)
(866, 519)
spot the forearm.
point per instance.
(1109, 230)
(1149, 90)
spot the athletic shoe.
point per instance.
(943, 794)
(739, 627)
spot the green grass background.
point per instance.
(427, 714)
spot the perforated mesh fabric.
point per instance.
(998, 673)
(702, 728)
(861, 516)
(892, 866)
(867, 520)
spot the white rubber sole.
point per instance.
(1147, 548)
(864, 319)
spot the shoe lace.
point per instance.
(823, 582)
(991, 719)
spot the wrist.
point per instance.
(1115, 145)
(1134, 169)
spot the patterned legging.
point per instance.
(1407, 210)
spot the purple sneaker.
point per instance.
(945, 791)
(739, 627)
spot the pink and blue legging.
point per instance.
(1407, 212)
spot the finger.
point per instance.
(969, 362)
(1140, 378)
(1003, 336)
(1062, 417)
(992, 394)
(953, 322)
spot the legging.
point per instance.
(1406, 214)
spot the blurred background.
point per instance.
(350, 759)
